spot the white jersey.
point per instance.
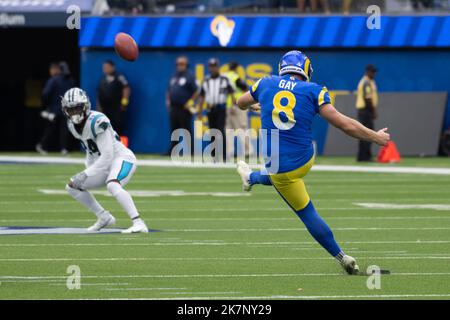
(101, 142)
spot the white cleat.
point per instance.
(244, 171)
(348, 263)
(136, 228)
(106, 219)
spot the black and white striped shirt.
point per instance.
(216, 90)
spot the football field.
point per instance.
(212, 241)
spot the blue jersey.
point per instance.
(288, 107)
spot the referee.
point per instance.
(367, 103)
(214, 92)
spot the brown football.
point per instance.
(126, 47)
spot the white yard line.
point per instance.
(93, 284)
(56, 230)
(294, 218)
(68, 201)
(154, 193)
(396, 206)
(200, 243)
(256, 209)
(145, 289)
(171, 164)
(189, 276)
(412, 257)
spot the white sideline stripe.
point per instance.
(262, 275)
(218, 259)
(439, 207)
(213, 243)
(171, 164)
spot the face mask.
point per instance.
(77, 118)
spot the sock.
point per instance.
(320, 231)
(86, 199)
(124, 198)
(339, 256)
(258, 177)
(137, 220)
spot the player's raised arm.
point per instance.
(352, 127)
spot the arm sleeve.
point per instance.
(255, 89)
(323, 97)
(105, 146)
(89, 161)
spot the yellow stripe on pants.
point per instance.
(291, 187)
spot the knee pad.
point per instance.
(114, 188)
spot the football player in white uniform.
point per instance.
(108, 161)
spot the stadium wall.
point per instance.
(417, 68)
(417, 135)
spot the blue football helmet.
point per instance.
(296, 62)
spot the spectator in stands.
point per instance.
(113, 94)
(214, 93)
(346, 5)
(60, 81)
(236, 118)
(313, 5)
(367, 103)
(128, 6)
(180, 97)
(422, 4)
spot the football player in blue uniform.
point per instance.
(289, 103)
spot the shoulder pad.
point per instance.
(99, 124)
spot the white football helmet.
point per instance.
(76, 105)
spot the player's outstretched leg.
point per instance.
(322, 233)
(104, 218)
(249, 177)
(125, 200)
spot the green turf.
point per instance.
(214, 247)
